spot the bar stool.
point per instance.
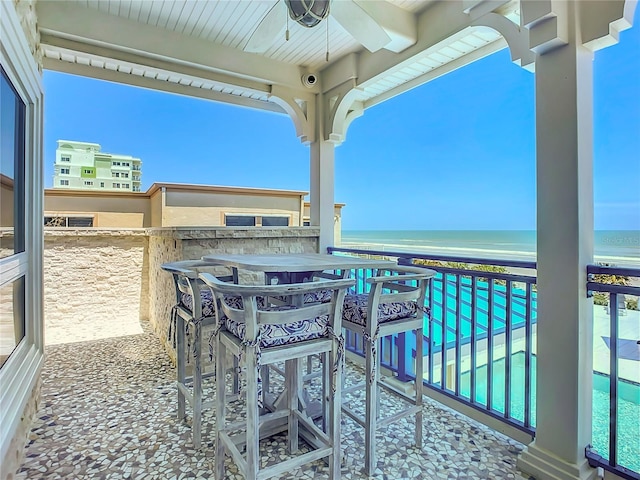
(393, 305)
(194, 309)
(261, 333)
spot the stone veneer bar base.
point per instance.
(170, 244)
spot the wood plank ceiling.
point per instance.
(229, 24)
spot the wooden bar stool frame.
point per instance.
(185, 276)
(400, 284)
(325, 444)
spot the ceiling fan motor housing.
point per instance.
(308, 13)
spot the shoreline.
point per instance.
(485, 254)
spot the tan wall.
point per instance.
(166, 208)
(93, 279)
(119, 220)
(121, 211)
(188, 209)
(215, 216)
(6, 204)
(156, 208)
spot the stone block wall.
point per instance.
(95, 283)
(103, 282)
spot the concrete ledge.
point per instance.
(95, 232)
(187, 233)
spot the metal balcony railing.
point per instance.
(480, 345)
(614, 283)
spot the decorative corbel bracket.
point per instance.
(517, 38)
(341, 107)
(301, 107)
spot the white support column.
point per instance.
(322, 190)
(564, 140)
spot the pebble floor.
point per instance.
(108, 412)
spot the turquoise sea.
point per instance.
(620, 247)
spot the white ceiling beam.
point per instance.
(436, 24)
(156, 84)
(47, 40)
(85, 25)
(399, 24)
(438, 72)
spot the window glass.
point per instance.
(12, 143)
(11, 317)
(80, 221)
(239, 221)
(275, 221)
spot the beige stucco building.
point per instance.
(180, 205)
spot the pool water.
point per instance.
(628, 406)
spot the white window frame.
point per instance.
(88, 183)
(65, 158)
(65, 171)
(19, 374)
(64, 183)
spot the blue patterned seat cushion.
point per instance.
(355, 310)
(323, 296)
(208, 309)
(206, 297)
(283, 334)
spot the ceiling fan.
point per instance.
(360, 24)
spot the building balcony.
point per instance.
(109, 397)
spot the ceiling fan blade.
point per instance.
(359, 24)
(272, 25)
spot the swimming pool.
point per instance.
(628, 406)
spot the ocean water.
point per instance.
(620, 247)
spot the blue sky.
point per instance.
(455, 154)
